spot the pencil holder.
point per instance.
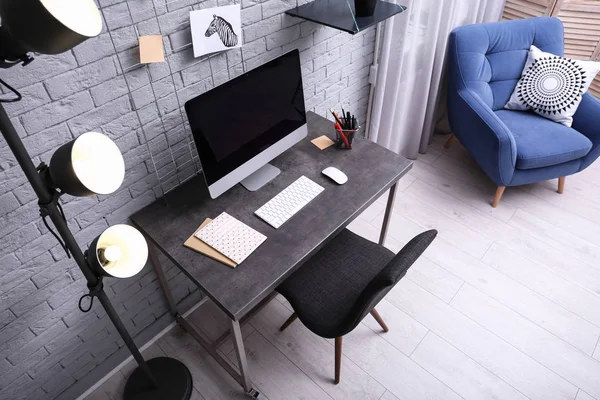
(345, 143)
(340, 143)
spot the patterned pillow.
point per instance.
(552, 86)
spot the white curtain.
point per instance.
(411, 70)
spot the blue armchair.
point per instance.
(513, 147)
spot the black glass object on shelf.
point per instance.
(341, 14)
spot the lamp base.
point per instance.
(172, 376)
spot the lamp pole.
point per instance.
(51, 27)
(48, 202)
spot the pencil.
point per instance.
(335, 116)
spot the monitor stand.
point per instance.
(260, 177)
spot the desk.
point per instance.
(371, 170)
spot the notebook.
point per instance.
(198, 245)
(231, 237)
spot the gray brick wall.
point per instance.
(48, 348)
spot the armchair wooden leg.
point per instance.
(451, 140)
(289, 321)
(499, 193)
(338, 358)
(561, 184)
(379, 320)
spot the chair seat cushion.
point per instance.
(324, 289)
(541, 142)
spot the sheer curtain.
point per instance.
(411, 70)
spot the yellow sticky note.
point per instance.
(151, 49)
(322, 142)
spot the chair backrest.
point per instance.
(387, 278)
(489, 58)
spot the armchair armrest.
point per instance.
(486, 137)
(587, 122)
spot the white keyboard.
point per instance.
(289, 201)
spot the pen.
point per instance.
(354, 122)
(348, 121)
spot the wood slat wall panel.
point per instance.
(543, 3)
(578, 46)
(517, 9)
(582, 32)
(595, 87)
(575, 17)
(582, 6)
(515, 14)
(582, 28)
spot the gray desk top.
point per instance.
(370, 168)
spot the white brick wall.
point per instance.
(48, 348)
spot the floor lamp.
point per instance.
(91, 164)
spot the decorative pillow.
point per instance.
(552, 86)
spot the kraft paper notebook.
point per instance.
(198, 245)
(231, 237)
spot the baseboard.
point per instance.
(142, 348)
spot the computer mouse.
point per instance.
(336, 175)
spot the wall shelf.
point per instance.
(336, 14)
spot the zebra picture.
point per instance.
(225, 21)
(224, 29)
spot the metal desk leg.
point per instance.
(240, 352)
(162, 279)
(243, 377)
(388, 214)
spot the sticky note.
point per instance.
(322, 142)
(151, 49)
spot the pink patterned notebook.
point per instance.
(231, 237)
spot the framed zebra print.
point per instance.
(216, 29)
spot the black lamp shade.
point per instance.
(50, 26)
(91, 164)
(119, 252)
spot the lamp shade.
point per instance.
(120, 251)
(50, 26)
(91, 164)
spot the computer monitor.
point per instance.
(243, 124)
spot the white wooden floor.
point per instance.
(504, 305)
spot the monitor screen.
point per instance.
(236, 121)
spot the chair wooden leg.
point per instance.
(379, 320)
(451, 140)
(499, 193)
(289, 321)
(338, 358)
(561, 184)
